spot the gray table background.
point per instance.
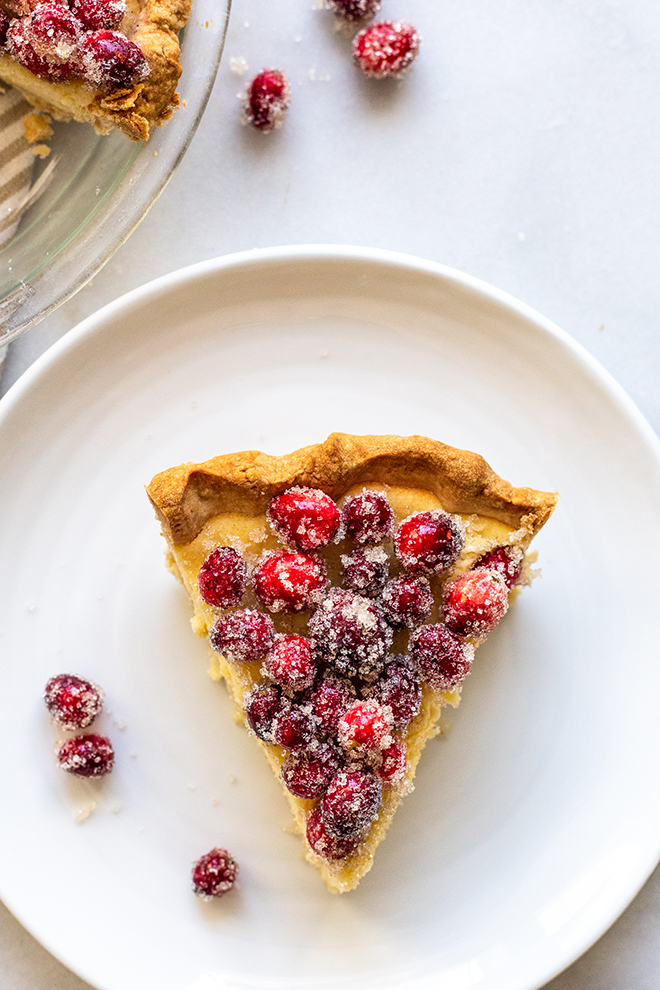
(523, 148)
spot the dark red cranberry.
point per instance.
(399, 689)
(350, 634)
(507, 561)
(4, 24)
(354, 11)
(393, 765)
(261, 705)
(214, 874)
(293, 727)
(386, 49)
(288, 581)
(351, 803)
(267, 100)
(366, 571)
(87, 756)
(475, 602)
(96, 15)
(243, 636)
(330, 700)
(406, 601)
(305, 518)
(223, 578)
(111, 61)
(47, 41)
(429, 542)
(368, 517)
(443, 659)
(73, 702)
(307, 775)
(366, 725)
(291, 662)
(324, 845)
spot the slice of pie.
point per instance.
(343, 589)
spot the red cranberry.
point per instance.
(368, 517)
(406, 601)
(330, 700)
(291, 662)
(261, 705)
(307, 775)
(73, 702)
(288, 581)
(366, 571)
(87, 756)
(350, 634)
(306, 518)
(324, 845)
(443, 659)
(111, 61)
(400, 690)
(429, 542)
(267, 100)
(393, 766)
(223, 578)
(47, 41)
(475, 602)
(386, 48)
(96, 15)
(293, 727)
(354, 10)
(366, 725)
(214, 874)
(507, 561)
(243, 636)
(351, 803)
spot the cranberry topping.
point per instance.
(87, 756)
(366, 571)
(350, 634)
(386, 48)
(507, 561)
(111, 61)
(324, 845)
(443, 659)
(4, 24)
(366, 725)
(306, 518)
(429, 542)
(243, 636)
(96, 15)
(223, 578)
(400, 690)
(288, 581)
(47, 41)
(73, 702)
(291, 662)
(267, 100)
(368, 517)
(330, 700)
(293, 727)
(351, 803)
(475, 602)
(393, 766)
(406, 601)
(354, 10)
(307, 775)
(261, 705)
(214, 874)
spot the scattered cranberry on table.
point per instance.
(72, 701)
(354, 11)
(387, 48)
(214, 874)
(267, 100)
(86, 756)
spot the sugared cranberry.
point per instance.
(443, 659)
(406, 601)
(288, 581)
(351, 803)
(214, 874)
(506, 560)
(399, 689)
(261, 705)
(97, 15)
(87, 756)
(243, 636)
(73, 702)
(366, 571)
(111, 61)
(368, 517)
(267, 100)
(386, 49)
(475, 602)
(366, 725)
(324, 845)
(307, 775)
(350, 634)
(393, 765)
(47, 41)
(330, 700)
(429, 542)
(4, 24)
(293, 727)
(291, 662)
(354, 11)
(305, 518)
(223, 578)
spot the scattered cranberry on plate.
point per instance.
(72, 701)
(214, 874)
(387, 48)
(87, 756)
(267, 100)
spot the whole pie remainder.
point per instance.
(343, 589)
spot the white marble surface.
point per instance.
(523, 148)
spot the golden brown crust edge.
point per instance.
(186, 497)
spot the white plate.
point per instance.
(533, 823)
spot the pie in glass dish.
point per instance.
(343, 589)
